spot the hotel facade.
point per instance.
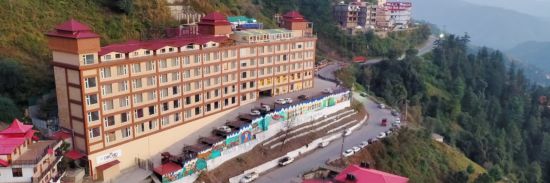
(130, 101)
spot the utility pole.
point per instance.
(342, 147)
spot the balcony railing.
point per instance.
(37, 179)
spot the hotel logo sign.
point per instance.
(109, 157)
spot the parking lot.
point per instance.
(232, 115)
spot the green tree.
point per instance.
(8, 110)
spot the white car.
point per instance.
(381, 135)
(355, 149)
(266, 108)
(249, 177)
(388, 133)
(347, 132)
(224, 129)
(363, 144)
(382, 106)
(347, 153)
(285, 161)
(327, 91)
(288, 100)
(255, 113)
(280, 101)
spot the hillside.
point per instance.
(415, 155)
(533, 53)
(483, 107)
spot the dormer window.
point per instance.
(107, 57)
(118, 55)
(190, 46)
(170, 49)
(148, 52)
(88, 59)
(213, 44)
(136, 53)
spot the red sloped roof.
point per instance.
(359, 59)
(16, 127)
(214, 18)
(133, 45)
(364, 175)
(8, 144)
(74, 154)
(60, 135)
(4, 163)
(167, 168)
(107, 165)
(294, 16)
(72, 25)
(72, 29)
(316, 181)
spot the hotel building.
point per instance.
(131, 101)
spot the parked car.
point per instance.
(249, 177)
(347, 132)
(324, 144)
(396, 125)
(288, 100)
(303, 97)
(363, 144)
(327, 91)
(285, 161)
(347, 153)
(363, 94)
(280, 101)
(397, 121)
(381, 135)
(265, 108)
(388, 133)
(355, 149)
(381, 106)
(384, 122)
(255, 113)
(372, 140)
(224, 129)
(394, 113)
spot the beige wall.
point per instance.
(62, 97)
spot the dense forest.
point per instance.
(482, 106)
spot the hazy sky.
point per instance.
(540, 8)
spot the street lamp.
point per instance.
(342, 147)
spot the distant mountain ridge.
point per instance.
(533, 53)
(488, 26)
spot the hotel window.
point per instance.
(88, 59)
(233, 65)
(118, 55)
(175, 90)
(251, 84)
(152, 110)
(163, 78)
(152, 95)
(187, 100)
(138, 113)
(136, 68)
(206, 57)
(197, 72)
(197, 98)
(149, 66)
(165, 106)
(90, 82)
(207, 70)
(108, 105)
(148, 52)
(152, 124)
(188, 113)
(226, 102)
(124, 101)
(111, 137)
(107, 57)
(177, 117)
(109, 121)
(106, 89)
(151, 81)
(162, 50)
(93, 116)
(123, 86)
(126, 132)
(243, 86)
(197, 110)
(163, 64)
(186, 60)
(217, 54)
(197, 59)
(176, 103)
(140, 127)
(186, 74)
(208, 108)
(187, 86)
(124, 117)
(164, 121)
(190, 46)
(216, 105)
(94, 132)
(243, 75)
(175, 61)
(136, 53)
(105, 72)
(91, 99)
(225, 90)
(17, 172)
(138, 98)
(122, 70)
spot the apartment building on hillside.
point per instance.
(129, 101)
(358, 16)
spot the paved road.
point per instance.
(320, 156)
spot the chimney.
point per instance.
(365, 164)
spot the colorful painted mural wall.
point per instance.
(257, 126)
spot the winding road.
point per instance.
(368, 130)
